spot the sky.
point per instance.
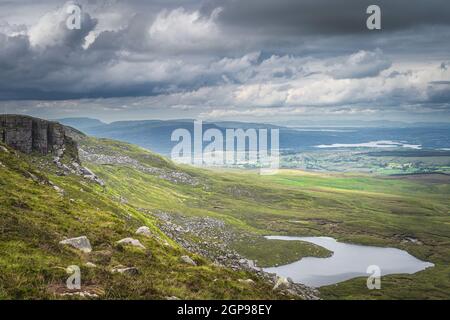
(248, 60)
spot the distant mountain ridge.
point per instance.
(155, 135)
(81, 123)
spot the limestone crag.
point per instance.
(37, 136)
(28, 134)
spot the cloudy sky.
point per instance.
(252, 60)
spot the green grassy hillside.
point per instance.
(34, 218)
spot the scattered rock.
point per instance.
(131, 242)
(55, 187)
(247, 264)
(82, 294)
(2, 148)
(144, 231)
(93, 155)
(188, 260)
(90, 265)
(412, 240)
(31, 176)
(247, 281)
(281, 283)
(90, 291)
(172, 298)
(217, 246)
(85, 173)
(131, 271)
(59, 190)
(80, 243)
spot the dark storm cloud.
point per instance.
(313, 17)
(214, 55)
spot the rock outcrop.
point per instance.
(37, 136)
(28, 135)
(80, 243)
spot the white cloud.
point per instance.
(51, 29)
(180, 29)
(361, 64)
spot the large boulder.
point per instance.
(80, 243)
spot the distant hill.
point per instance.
(155, 135)
(81, 123)
(358, 124)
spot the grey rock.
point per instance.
(132, 271)
(58, 189)
(131, 242)
(144, 230)
(90, 265)
(80, 243)
(247, 281)
(82, 294)
(188, 260)
(28, 134)
(281, 283)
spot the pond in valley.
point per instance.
(348, 261)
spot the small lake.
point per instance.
(347, 262)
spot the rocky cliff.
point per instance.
(28, 134)
(37, 136)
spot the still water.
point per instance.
(348, 261)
